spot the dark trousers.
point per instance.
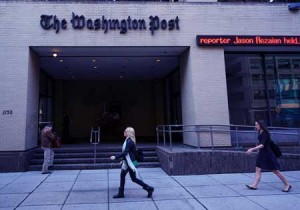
(133, 178)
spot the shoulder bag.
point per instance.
(275, 148)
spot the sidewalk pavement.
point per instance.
(93, 189)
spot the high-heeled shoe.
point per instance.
(251, 188)
(290, 187)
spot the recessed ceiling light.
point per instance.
(157, 60)
(95, 67)
(94, 60)
(54, 55)
(61, 61)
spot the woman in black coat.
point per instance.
(265, 158)
(129, 164)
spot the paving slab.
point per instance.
(90, 186)
(67, 172)
(163, 182)
(131, 195)
(11, 200)
(232, 203)
(166, 182)
(271, 177)
(153, 174)
(98, 206)
(92, 177)
(43, 207)
(211, 191)
(273, 202)
(231, 178)
(171, 193)
(144, 205)
(196, 180)
(55, 177)
(94, 171)
(55, 187)
(115, 175)
(151, 170)
(179, 204)
(18, 188)
(93, 189)
(31, 173)
(293, 174)
(262, 189)
(45, 198)
(280, 186)
(25, 179)
(297, 195)
(7, 208)
(88, 197)
(7, 180)
(115, 184)
(11, 175)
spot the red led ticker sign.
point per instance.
(212, 40)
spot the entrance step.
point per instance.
(81, 157)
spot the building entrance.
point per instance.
(109, 87)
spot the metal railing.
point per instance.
(95, 140)
(239, 134)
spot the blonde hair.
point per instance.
(131, 133)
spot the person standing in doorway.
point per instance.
(128, 157)
(47, 139)
(266, 158)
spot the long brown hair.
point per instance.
(263, 126)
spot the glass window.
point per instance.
(296, 63)
(270, 92)
(246, 88)
(284, 106)
(255, 64)
(283, 63)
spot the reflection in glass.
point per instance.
(251, 96)
(296, 63)
(283, 63)
(255, 63)
(287, 100)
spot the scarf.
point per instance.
(128, 162)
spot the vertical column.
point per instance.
(13, 92)
(204, 93)
(32, 100)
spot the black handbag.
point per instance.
(139, 155)
(275, 148)
(56, 143)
